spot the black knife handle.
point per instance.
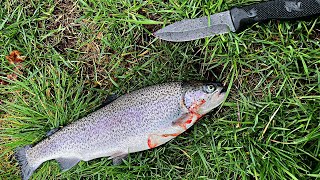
(278, 10)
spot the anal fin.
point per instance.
(119, 159)
(67, 163)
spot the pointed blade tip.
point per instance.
(191, 29)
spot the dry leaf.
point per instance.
(2, 82)
(15, 57)
(100, 35)
(12, 77)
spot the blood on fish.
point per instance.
(195, 107)
(193, 112)
(181, 122)
(150, 144)
(189, 121)
(154, 140)
(184, 125)
(198, 116)
(167, 135)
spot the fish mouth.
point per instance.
(223, 90)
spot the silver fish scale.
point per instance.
(120, 126)
(137, 121)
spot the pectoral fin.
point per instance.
(183, 121)
(67, 163)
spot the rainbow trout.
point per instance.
(137, 121)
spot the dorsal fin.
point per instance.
(109, 99)
(119, 159)
(52, 131)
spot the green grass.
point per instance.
(79, 53)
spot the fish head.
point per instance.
(201, 97)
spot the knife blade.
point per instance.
(237, 19)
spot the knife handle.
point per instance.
(277, 10)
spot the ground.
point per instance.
(77, 53)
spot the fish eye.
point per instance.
(210, 88)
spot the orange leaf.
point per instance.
(15, 57)
(12, 77)
(2, 82)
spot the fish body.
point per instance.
(137, 121)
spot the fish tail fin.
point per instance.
(26, 168)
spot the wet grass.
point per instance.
(80, 52)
